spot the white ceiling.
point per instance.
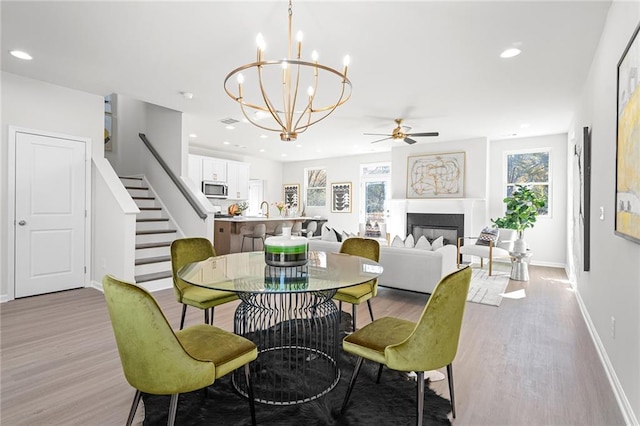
(434, 63)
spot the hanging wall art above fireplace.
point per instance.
(436, 175)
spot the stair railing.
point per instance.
(181, 186)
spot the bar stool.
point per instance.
(297, 228)
(311, 228)
(259, 232)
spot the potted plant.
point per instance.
(522, 210)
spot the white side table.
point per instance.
(520, 265)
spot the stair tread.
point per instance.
(127, 177)
(137, 187)
(153, 276)
(153, 245)
(156, 259)
(150, 208)
(143, 198)
(156, 231)
(157, 219)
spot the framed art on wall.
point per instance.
(292, 195)
(627, 217)
(341, 197)
(436, 175)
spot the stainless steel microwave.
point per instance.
(215, 189)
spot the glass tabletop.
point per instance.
(248, 273)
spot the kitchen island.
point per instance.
(228, 231)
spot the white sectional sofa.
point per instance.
(406, 268)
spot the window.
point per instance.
(374, 192)
(530, 168)
(316, 187)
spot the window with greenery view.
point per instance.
(531, 169)
(316, 187)
(374, 184)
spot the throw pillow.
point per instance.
(397, 242)
(344, 235)
(437, 243)
(409, 242)
(488, 235)
(338, 235)
(327, 234)
(423, 243)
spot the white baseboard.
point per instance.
(625, 407)
(4, 298)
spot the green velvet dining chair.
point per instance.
(189, 250)
(370, 249)
(403, 345)
(156, 360)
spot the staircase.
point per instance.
(154, 234)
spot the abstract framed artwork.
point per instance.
(436, 175)
(627, 217)
(292, 195)
(341, 197)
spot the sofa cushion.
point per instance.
(488, 235)
(397, 242)
(409, 242)
(437, 243)
(423, 243)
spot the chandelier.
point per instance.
(272, 89)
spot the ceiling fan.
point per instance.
(399, 134)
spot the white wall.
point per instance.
(546, 228)
(339, 169)
(42, 106)
(612, 287)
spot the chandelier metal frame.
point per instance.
(290, 121)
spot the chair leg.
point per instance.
(173, 409)
(490, 266)
(453, 399)
(420, 402)
(247, 376)
(379, 373)
(242, 245)
(184, 312)
(370, 310)
(134, 407)
(211, 316)
(352, 382)
(353, 310)
(206, 316)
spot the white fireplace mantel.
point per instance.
(474, 210)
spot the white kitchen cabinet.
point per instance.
(238, 180)
(195, 169)
(214, 169)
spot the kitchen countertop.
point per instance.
(259, 219)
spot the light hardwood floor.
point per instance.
(528, 362)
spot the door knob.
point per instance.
(22, 223)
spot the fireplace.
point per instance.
(434, 225)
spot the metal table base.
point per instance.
(297, 339)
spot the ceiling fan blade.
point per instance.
(380, 140)
(424, 134)
(409, 141)
(377, 134)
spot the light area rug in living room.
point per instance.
(485, 289)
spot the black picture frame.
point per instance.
(586, 208)
(627, 207)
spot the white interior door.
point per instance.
(50, 214)
(256, 195)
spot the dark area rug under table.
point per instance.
(391, 402)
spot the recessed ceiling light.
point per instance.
(21, 55)
(283, 155)
(229, 127)
(298, 146)
(510, 53)
(187, 95)
(193, 135)
(263, 136)
(226, 143)
(261, 149)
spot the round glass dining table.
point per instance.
(288, 312)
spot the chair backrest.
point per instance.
(434, 341)
(296, 229)
(506, 238)
(187, 250)
(153, 360)
(363, 247)
(311, 228)
(259, 230)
